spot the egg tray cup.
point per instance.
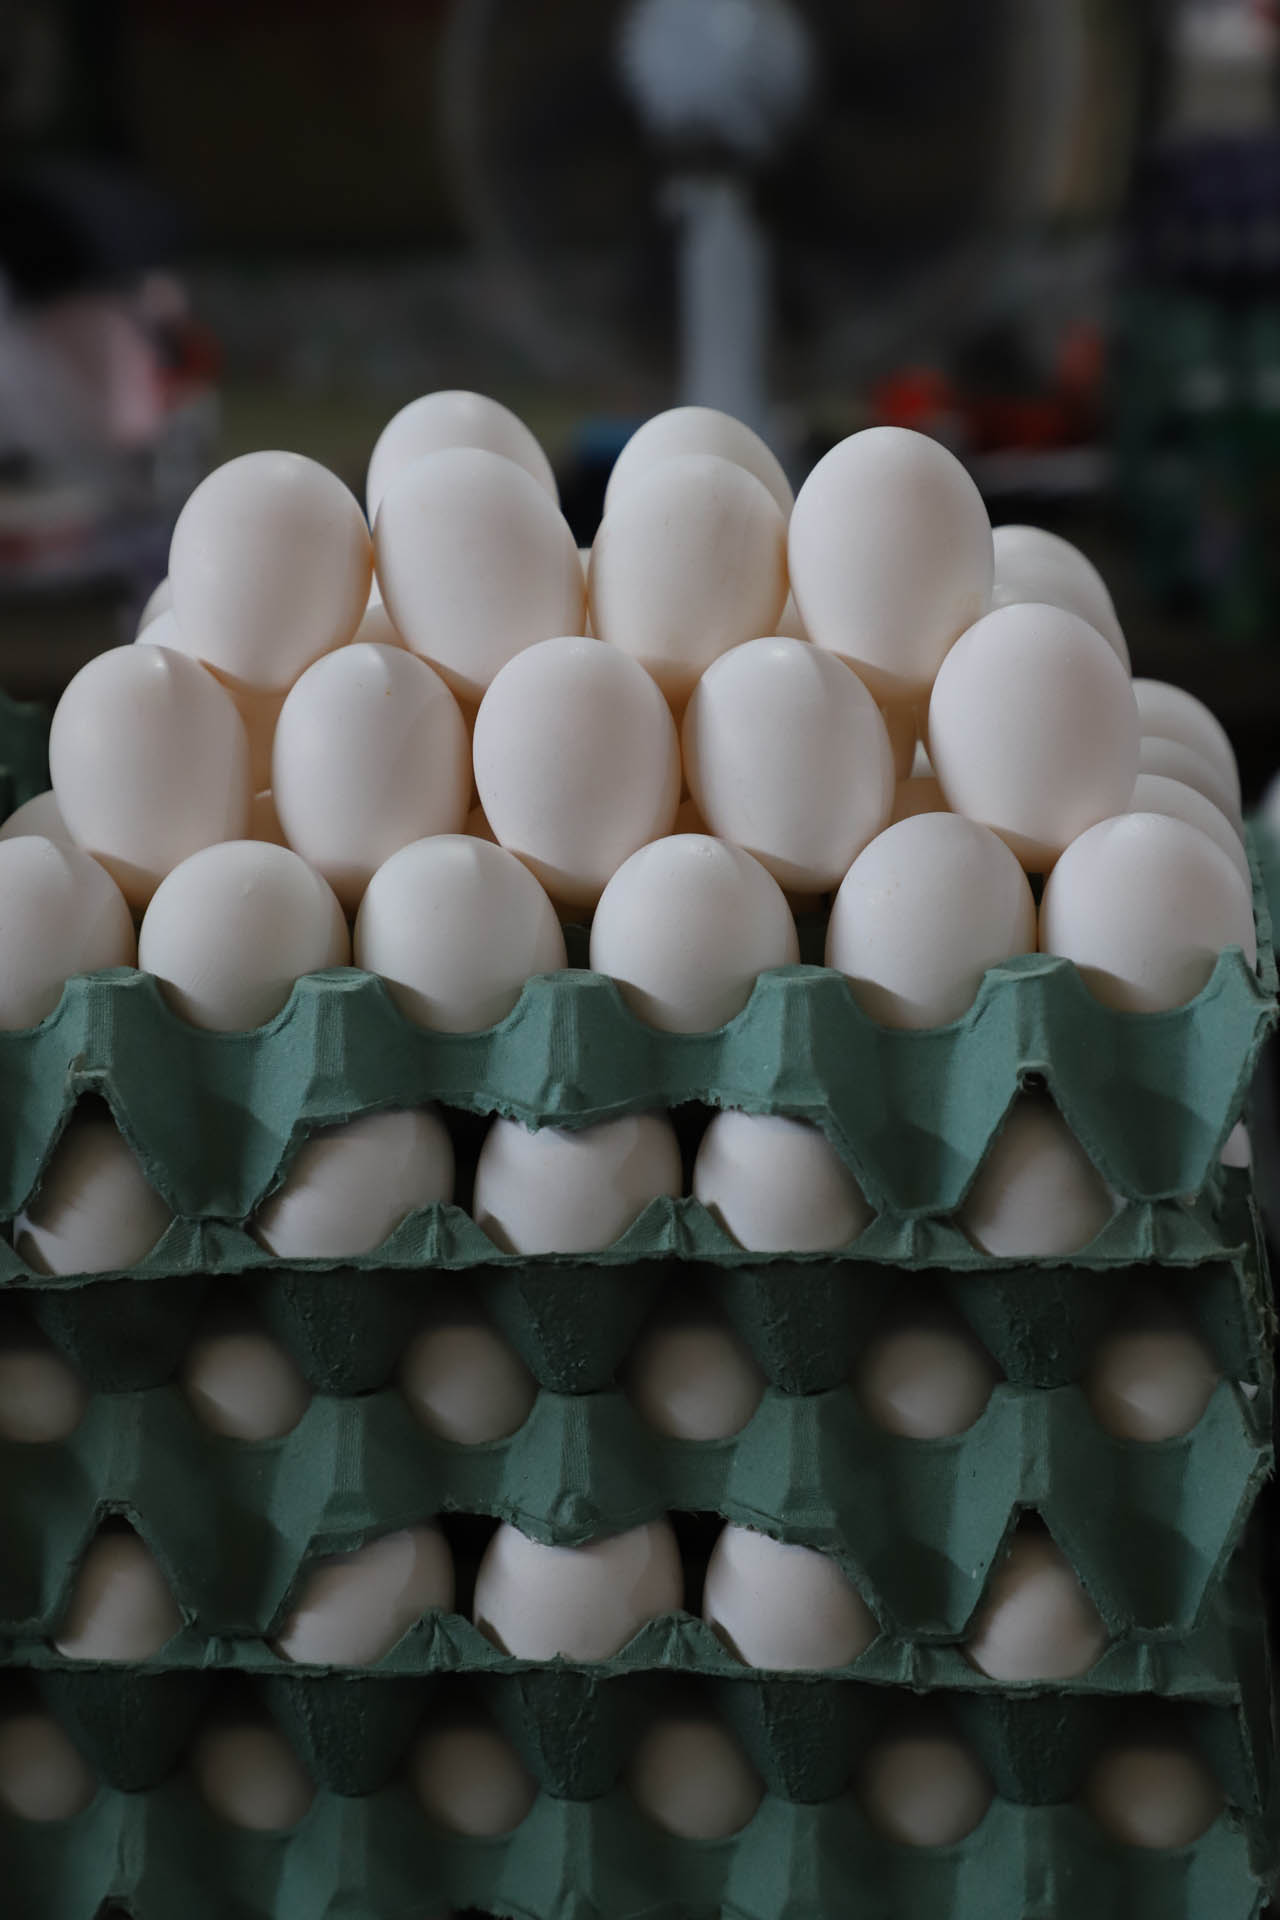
(24, 756)
(164, 1853)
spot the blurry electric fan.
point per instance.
(847, 179)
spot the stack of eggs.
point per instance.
(424, 750)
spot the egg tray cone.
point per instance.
(164, 1852)
(24, 756)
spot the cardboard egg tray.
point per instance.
(24, 759)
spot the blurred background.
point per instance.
(1046, 231)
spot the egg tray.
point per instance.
(163, 1853)
(24, 757)
(916, 1524)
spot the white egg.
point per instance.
(576, 762)
(242, 1384)
(777, 1185)
(561, 1190)
(1037, 1194)
(920, 794)
(94, 1210)
(60, 914)
(455, 927)
(689, 1376)
(259, 708)
(685, 926)
(42, 1777)
(690, 561)
(370, 754)
(1157, 793)
(789, 621)
(691, 1777)
(377, 629)
(466, 1383)
(270, 565)
(351, 1608)
(348, 1187)
(1152, 1794)
(1033, 729)
(786, 1608)
(1174, 761)
(1236, 1149)
(890, 557)
(694, 430)
(120, 1606)
(924, 1789)
(787, 755)
(150, 762)
(922, 913)
(1035, 1621)
(1035, 565)
(40, 816)
(585, 1602)
(251, 1777)
(453, 417)
(232, 929)
(1172, 713)
(159, 601)
(1143, 905)
(41, 1398)
(925, 1380)
(900, 724)
(264, 821)
(471, 1780)
(1150, 1382)
(476, 562)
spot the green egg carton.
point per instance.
(24, 756)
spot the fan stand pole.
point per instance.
(724, 297)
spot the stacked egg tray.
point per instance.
(1159, 1533)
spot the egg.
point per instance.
(1037, 1194)
(922, 913)
(120, 1606)
(370, 754)
(689, 561)
(232, 929)
(1035, 565)
(241, 1384)
(455, 927)
(264, 821)
(269, 564)
(926, 1379)
(1236, 1148)
(1156, 793)
(470, 1780)
(685, 926)
(350, 1609)
(1171, 713)
(924, 1788)
(251, 1777)
(159, 600)
(789, 621)
(1143, 905)
(42, 1777)
(777, 1185)
(150, 763)
(785, 1608)
(259, 709)
(60, 914)
(38, 816)
(1174, 761)
(377, 629)
(42, 1400)
(692, 1778)
(453, 418)
(920, 794)
(1150, 1379)
(348, 1187)
(787, 755)
(1035, 1621)
(900, 724)
(585, 1603)
(890, 557)
(697, 430)
(465, 1383)
(576, 763)
(690, 1377)
(93, 1210)
(1152, 1793)
(1033, 729)
(475, 562)
(558, 1190)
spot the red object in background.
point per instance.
(1063, 415)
